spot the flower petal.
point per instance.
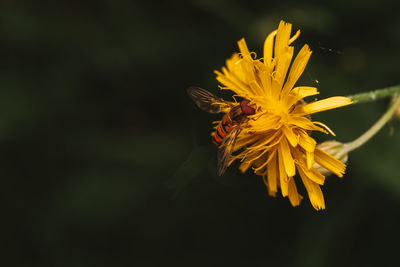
(304, 91)
(303, 123)
(287, 158)
(329, 162)
(268, 48)
(233, 84)
(283, 54)
(290, 135)
(307, 142)
(313, 174)
(256, 88)
(322, 105)
(314, 191)
(270, 192)
(294, 197)
(244, 166)
(298, 66)
(243, 48)
(310, 159)
(299, 93)
(264, 164)
(283, 178)
(294, 37)
(272, 174)
(282, 38)
(245, 139)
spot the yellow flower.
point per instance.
(275, 141)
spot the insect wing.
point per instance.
(207, 101)
(225, 151)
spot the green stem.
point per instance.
(375, 95)
(375, 128)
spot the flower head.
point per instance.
(275, 142)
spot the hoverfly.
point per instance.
(230, 126)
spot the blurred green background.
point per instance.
(105, 161)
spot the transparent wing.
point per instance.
(225, 151)
(208, 101)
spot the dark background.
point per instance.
(105, 161)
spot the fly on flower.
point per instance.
(269, 131)
(228, 129)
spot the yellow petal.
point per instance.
(294, 196)
(283, 55)
(291, 40)
(283, 178)
(304, 91)
(282, 38)
(247, 69)
(231, 63)
(266, 83)
(244, 166)
(256, 88)
(322, 105)
(287, 158)
(298, 66)
(243, 48)
(299, 93)
(268, 48)
(305, 124)
(307, 142)
(270, 192)
(313, 174)
(329, 162)
(223, 79)
(310, 159)
(264, 140)
(314, 191)
(232, 83)
(272, 174)
(291, 137)
(266, 123)
(301, 122)
(270, 157)
(283, 63)
(245, 139)
(260, 163)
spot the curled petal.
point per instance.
(268, 48)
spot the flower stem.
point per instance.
(375, 128)
(375, 95)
